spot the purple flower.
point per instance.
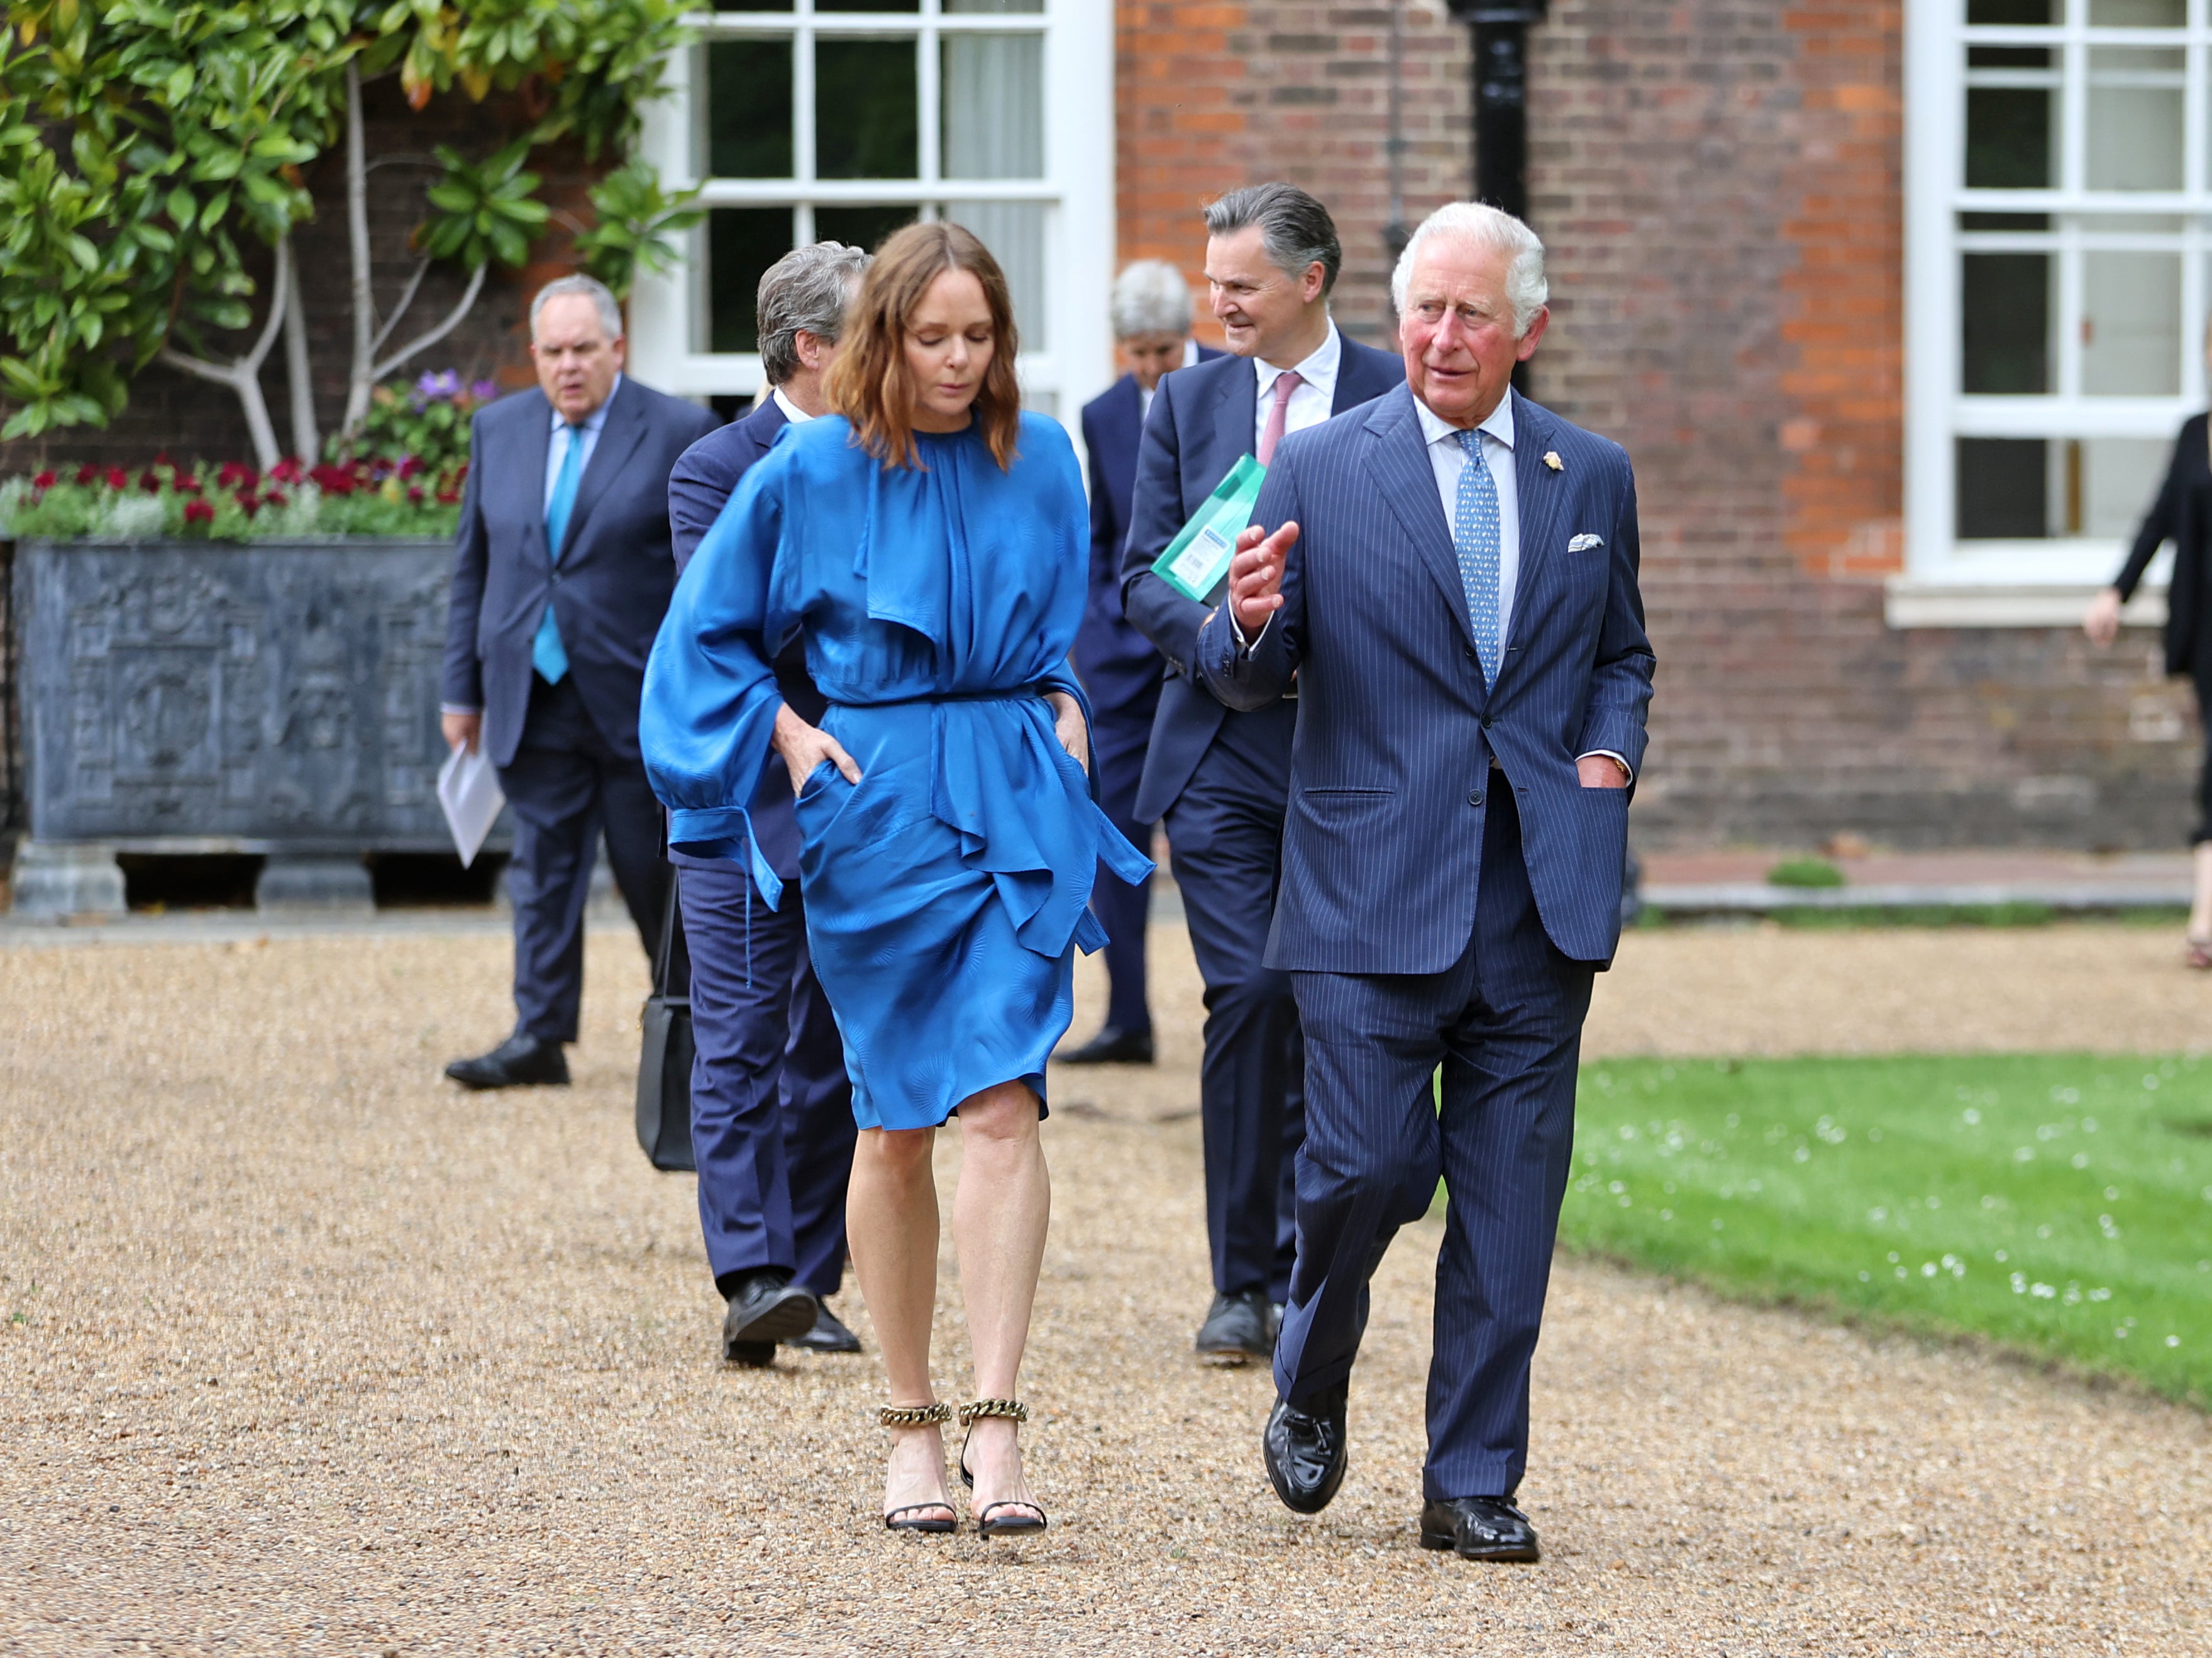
(435, 388)
(485, 391)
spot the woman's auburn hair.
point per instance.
(869, 382)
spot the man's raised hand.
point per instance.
(1255, 575)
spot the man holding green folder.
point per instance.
(1221, 779)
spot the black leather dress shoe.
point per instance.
(1303, 1445)
(828, 1334)
(518, 1062)
(765, 1308)
(1238, 1329)
(1112, 1045)
(1478, 1528)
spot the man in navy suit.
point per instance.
(1221, 778)
(772, 1122)
(1151, 310)
(561, 573)
(1451, 574)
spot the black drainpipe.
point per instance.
(1501, 97)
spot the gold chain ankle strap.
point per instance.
(914, 1415)
(1012, 1409)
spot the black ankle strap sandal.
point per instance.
(1006, 1519)
(931, 1415)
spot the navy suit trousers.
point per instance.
(566, 784)
(1118, 751)
(1225, 841)
(1504, 1023)
(771, 1108)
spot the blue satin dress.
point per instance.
(947, 890)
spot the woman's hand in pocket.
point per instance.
(1068, 725)
(804, 747)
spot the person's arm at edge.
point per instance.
(1154, 609)
(1620, 676)
(698, 488)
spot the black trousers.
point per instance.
(567, 784)
(2203, 832)
(1225, 843)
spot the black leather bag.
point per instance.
(663, 1066)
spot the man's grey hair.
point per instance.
(1150, 297)
(1486, 227)
(805, 291)
(1295, 229)
(602, 299)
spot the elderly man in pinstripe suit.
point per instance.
(1451, 571)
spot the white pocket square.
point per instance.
(1583, 543)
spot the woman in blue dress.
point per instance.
(928, 542)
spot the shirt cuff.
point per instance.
(1243, 643)
(1626, 770)
(455, 707)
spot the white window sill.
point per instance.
(2022, 584)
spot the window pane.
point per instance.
(998, 8)
(749, 109)
(2119, 476)
(2002, 489)
(860, 227)
(2135, 97)
(752, 5)
(2004, 222)
(2005, 316)
(994, 106)
(1014, 231)
(2138, 14)
(865, 121)
(2131, 324)
(867, 5)
(2015, 11)
(2011, 137)
(742, 242)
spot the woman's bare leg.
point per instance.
(999, 1219)
(2200, 909)
(891, 1225)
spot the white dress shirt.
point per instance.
(792, 411)
(1448, 460)
(1145, 392)
(1310, 403)
(585, 431)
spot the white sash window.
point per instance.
(2059, 227)
(843, 119)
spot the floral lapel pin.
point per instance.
(1552, 459)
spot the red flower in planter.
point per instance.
(46, 480)
(409, 467)
(332, 480)
(286, 471)
(414, 494)
(117, 478)
(150, 481)
(198, 512)
(235, 473)
(185, 486)
(275, 497)
(86, 473)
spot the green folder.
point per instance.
(1197, 560)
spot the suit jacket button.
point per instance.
(1474, 797)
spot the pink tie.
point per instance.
(1272, 434)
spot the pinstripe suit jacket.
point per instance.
(1383, 850)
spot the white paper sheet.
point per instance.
(468, 788)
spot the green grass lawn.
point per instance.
(2059, 1204)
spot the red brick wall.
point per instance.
(1214, 93)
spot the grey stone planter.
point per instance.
(279, 698)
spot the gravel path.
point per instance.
(301, 1351)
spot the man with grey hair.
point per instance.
(1220, 777)
(561, 571)
(772, 1127)
(1151, 310)
(1453, 572)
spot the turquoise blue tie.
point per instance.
(1476, 538)
(547, 654)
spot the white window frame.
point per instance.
(1075, 361)
(2038, 583)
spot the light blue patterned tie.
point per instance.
(547, 654)
(1477, 538)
